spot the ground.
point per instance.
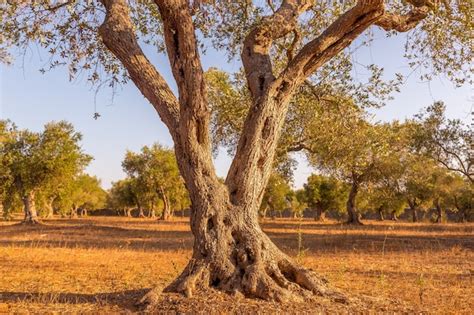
(104, 264)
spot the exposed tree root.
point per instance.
(267, 274)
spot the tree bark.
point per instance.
(230, 251)
(29, 208)
(354, 215)
(83, 212)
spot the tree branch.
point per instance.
(119, 37)
(335, 38)
(403, 22)
(257, 44)
(182, 49)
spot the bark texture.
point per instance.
(29, 208)
(230, 251)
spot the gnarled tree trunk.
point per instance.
(166, 213)
(74, 211)
(29, 208)
(354, 215)
(230, 251)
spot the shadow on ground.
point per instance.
(153, 235)
(124, 300)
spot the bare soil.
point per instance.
(105, 264)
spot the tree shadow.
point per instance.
(124, 299)
(102, 233)
(369, 225)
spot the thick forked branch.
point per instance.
(406, 22)
(334, 39)
(257, 44)
(252, 164)
(182, 49)
(118, 35)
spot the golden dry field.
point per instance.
(104, 264)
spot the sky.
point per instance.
(128, 122)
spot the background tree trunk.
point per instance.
(354, 216)
(413, 208)
(320, 214)
(414, 215)
(49, 208)
(166, 213)
(380, 211)
(74, 211)
(439, 212)
(394, 216)
(29, 207)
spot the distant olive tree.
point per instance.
(37, 161)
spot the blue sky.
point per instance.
(30, 99)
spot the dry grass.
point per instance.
(100, 264)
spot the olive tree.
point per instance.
(156, 170)
(281, 44)
(122, 196)
(38, 160)
(447, 141)
(324, 193)
(275, 197)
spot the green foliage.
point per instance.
(121, 195)
(43, 163)
(155, 175)
(276, 194)
(447, 141)
(86, 193)
(325, 193)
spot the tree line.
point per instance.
(385, 169)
